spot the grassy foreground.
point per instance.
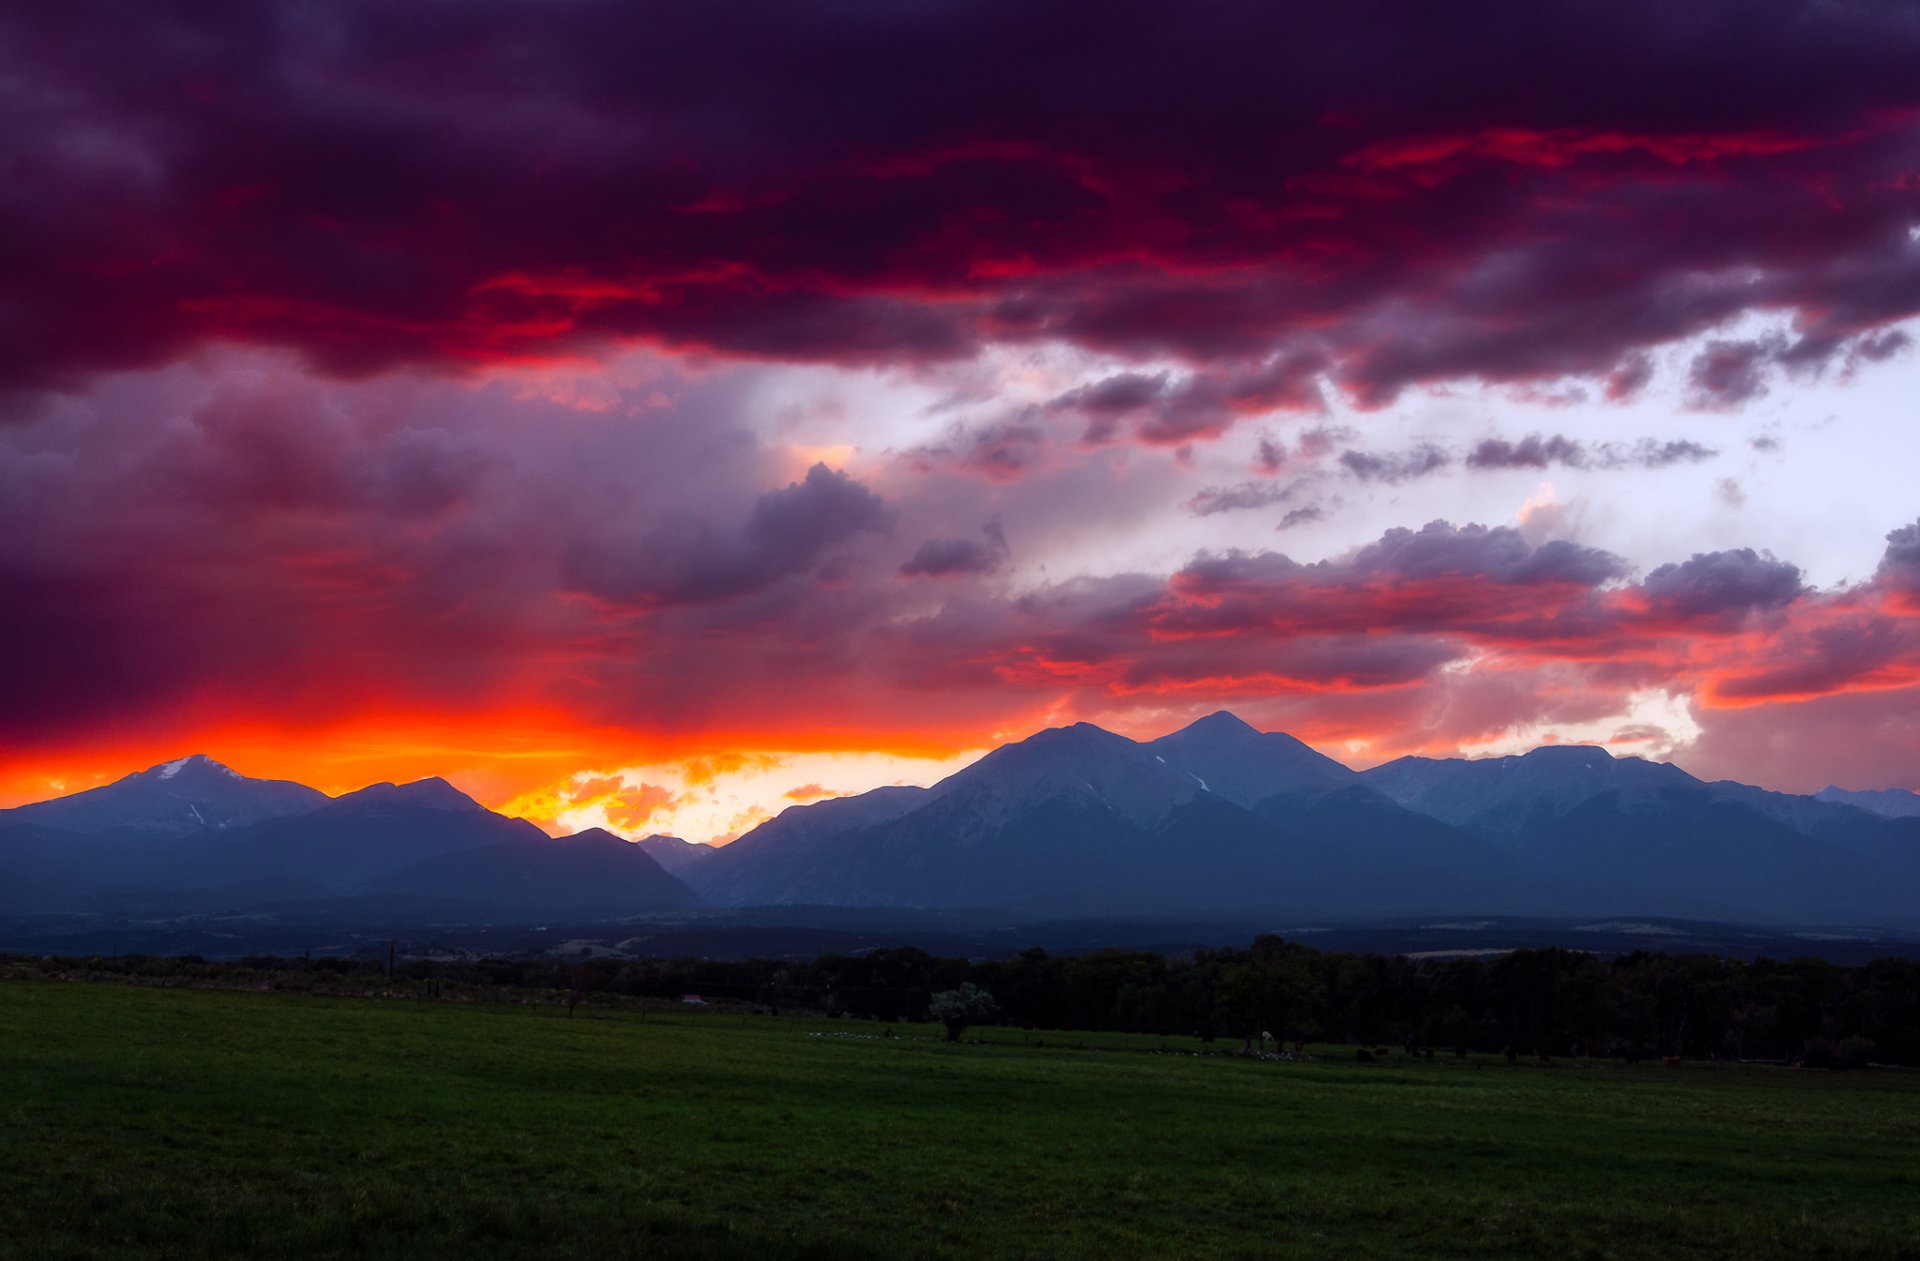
(142, 1122)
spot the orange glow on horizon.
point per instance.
(518, 762)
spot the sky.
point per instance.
(657, 416)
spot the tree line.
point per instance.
(1530, 1003)
(1548, 1002)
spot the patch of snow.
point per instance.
(173, 768)
(1199, 781)
(1159, 759)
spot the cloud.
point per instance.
(1213, 500)
(996, 175)
(1899, 568)
(1714, 583)
(687, 561)
(1532, 451)
(1629, 377)
(1499, 553)
(427, 567)
(1306, 515)
(1164, 410)
(1538, 452)
(1728, 373)
(939, 558)
(1395, 467)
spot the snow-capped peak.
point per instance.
(198, 761)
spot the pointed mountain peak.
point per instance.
(1233, 759)
(1215, 734)
(595, 836)
(193, 764)
(1081, 762)
(1222, 722)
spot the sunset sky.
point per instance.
(654, 416)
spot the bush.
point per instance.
(956, 1009)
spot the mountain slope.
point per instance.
(591, 874)
(1890, 803)
(1028, 821)
(179, 798)
(1506, 797)
(351, 840)
(1078, 821)
(764, 866)
(674, 854)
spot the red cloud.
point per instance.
(1224, 184)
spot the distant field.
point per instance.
(166, 1123)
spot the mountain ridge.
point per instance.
(1217, 818)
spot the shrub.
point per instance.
(956, 1009)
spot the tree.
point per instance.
(956, 1009)
(581, 981)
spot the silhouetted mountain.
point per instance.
(758, 867)
(1007, 830)
(1233, 760)
(1506, 797)
(359, 836)
(178, 798)
(589, 875)
(1836, 823)
(1686, 851)
(427, 794)
(327, 850)
(673, 853)
(1378, 858)
(1216, 822)
(1891, 803)
(1079, 821)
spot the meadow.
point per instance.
(149, 1122)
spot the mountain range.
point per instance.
(1215, 820)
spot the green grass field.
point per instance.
(170, 1123)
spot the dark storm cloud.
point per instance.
(1376, 194)
(1712, 583)
(1438, 550)
(939, 558)
(1498, 553)
(688, 561)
